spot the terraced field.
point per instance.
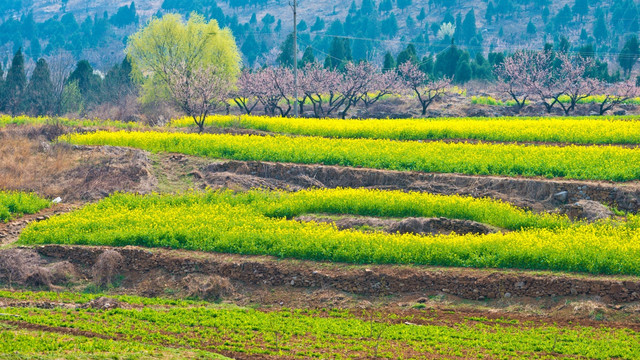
(298, 245)
(253, 224)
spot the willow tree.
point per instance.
(193, 64)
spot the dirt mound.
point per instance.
(586, 210)
(537, 194)
(379, 280)
(30, 162)
(413, 225)
(425, 226)
(26, 267)
(109, 169)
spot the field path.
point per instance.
(10, 231)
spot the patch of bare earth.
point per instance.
(412, 225)
(30, 162)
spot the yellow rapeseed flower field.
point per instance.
(259, 222)
(573, 162)
(576, 130)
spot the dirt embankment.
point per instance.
(537, 194)
(10, 231)
(140, 267)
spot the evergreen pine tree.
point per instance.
(302, 26)
(389, 62)
(403, 4)
(15, 84)
(385, 6)
(457, 35)
(421, 16)
(490, 12)
(408, 54)
(367, 7)
(88, 83)
(390, 25)
(531, 28)
(600, 31)
(250, 49)
(426, 65)
(581, 8)
(118, 83)
(629, 54)
(35, 49)
(307, 57)
(39, 95)
(353, 9)
(469, 26)
(286, 52)
(411, 23)
(463, 71)
(1, 88)
(339, 54)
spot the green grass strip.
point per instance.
(45, 120)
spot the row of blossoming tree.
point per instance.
(557, 79)
(329, 92)
(552, 79)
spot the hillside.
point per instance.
(372, 27)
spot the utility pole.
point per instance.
(294, 5)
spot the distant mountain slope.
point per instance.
(373, 27)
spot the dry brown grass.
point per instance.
(108, 265)
(27, 159)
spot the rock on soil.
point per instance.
(102, 303)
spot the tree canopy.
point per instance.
(171, 43)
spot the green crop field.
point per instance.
(191, 330)
(256, 223)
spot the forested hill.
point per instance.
(96, 30)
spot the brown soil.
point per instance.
(141, 266)
(420, 226)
